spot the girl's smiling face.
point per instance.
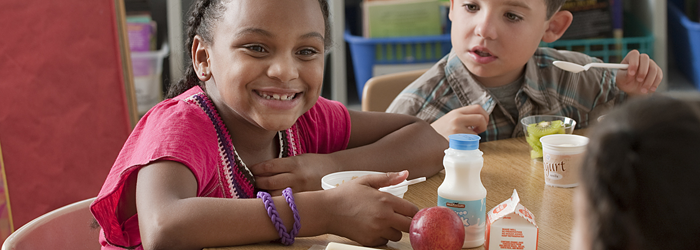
(494, 39)
(266, 61)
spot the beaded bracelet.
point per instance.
(285, 238)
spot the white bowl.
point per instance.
(336, 179)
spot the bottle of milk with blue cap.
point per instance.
(462, 190)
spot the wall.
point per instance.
(64, 114)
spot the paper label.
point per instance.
(472, 213)
(561, 170)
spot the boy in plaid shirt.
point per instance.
(496, 73)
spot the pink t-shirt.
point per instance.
(187, 129)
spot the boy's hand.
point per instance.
(358, 211)
(642, 77)
(470, 119)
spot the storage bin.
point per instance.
(612, 50)
(684, 36)
(368, 52)
(147, 69)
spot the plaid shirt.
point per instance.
(546, 90)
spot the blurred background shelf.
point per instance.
(339, 81)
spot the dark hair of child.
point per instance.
(640, 179)
(203, 15)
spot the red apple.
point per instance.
(436, 228)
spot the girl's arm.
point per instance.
(172, 217)
(378, 142)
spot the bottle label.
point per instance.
(472, 213)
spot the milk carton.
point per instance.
(511, 226)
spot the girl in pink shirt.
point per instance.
(248, 118)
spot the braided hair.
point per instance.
(202, 20)
(640, 176)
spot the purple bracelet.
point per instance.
(285, 238)
(287, 192)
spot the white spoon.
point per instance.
(575, 68)
(405, 183)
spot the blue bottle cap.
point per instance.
(464, 141)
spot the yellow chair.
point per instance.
(380, 91)
(68, 227)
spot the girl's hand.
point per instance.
(360, 212)
(301, 173)
(471, 119)
(642, 77)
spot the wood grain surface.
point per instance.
(507, 166)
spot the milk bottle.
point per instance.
(462, 190)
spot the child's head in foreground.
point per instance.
(240, 50)
(496, 38)
(640, 187)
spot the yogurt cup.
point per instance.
(562, 156)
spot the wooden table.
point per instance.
(507, 166)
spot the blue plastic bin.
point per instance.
(612, 50)
(367, 52)
(685, 38)
(609, 50)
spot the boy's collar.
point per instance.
(469, 89)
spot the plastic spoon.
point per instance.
(575, 68)
(405, 183)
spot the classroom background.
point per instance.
(78, 75)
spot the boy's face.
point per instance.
(267, 61)
(495, 38)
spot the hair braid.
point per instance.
(198, 23)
